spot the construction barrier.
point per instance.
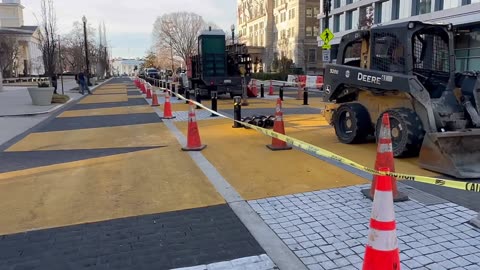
(317, 151)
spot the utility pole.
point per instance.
(327, 5)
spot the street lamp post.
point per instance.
(84, 19)
(60, 60)
(170, 27)
(233, 33)
(1, 75)
(1, 81)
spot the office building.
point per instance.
(276, 28)
(349, 15)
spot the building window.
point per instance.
(312, 55)
(261, 25)
(291, 14)
(284, 16)
(349, 2)
(349, 20)
(467, 51)
(316, 11)
(336, 23)
(439, 5)
(309, 12)
(377, 18)
(316, 32)
(395, 9)
(466, 2)
(336, 4)
(421, 7)
(309, 31)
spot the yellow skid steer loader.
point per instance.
(408, 71)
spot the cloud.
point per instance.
(129, 23)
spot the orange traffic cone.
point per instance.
(193, 138)
(382, 248)
(270, 91)
(149, 93)
(278, 127)
(154, 99)
(167, 108)
(385, 160)
(144, 90)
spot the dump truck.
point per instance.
(218, 67)
(408, 71)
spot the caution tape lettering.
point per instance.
(472, 187)
(469, 186)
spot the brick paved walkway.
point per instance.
(328, 230)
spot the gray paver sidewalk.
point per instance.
(328, 230)
(15, 101)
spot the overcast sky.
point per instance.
(129, 23)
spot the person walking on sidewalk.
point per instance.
(54, 83)
(82, 78)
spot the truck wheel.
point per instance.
(407, 132)
(352, 123)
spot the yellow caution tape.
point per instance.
(315, 150)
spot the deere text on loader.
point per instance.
(407, 70)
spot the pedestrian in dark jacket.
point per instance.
(82, 78)
(54, 83)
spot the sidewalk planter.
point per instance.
(41, 96)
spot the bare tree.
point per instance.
(179, 30)
(8, 55)
(49, 33)
(73, 48)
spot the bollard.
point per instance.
(214, 103)
(198, 98)
(237, 111)
(187, 95)
(305, 96)
(168, 86)
(262, 91)
(281, 92)
(174, 87)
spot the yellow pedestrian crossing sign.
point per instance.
(327, 36)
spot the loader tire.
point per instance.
(407, 132)
(352, 123)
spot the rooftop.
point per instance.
(24, 30)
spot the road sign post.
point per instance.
(326, 56)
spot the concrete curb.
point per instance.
(59, 106)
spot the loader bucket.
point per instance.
(455, 153)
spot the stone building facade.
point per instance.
(276, 28)
(29, 59)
